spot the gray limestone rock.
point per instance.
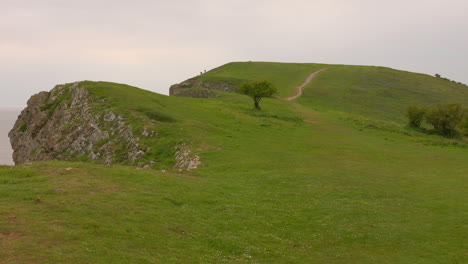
(61, 125)
(185, 158)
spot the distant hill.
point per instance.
(369, 90)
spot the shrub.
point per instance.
(464, 123)
(445, 117)
(415, 115)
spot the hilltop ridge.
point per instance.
(378, 92)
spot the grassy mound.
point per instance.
(377, 92)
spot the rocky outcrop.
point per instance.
(70, 123)
(185, 158)
(197, 88)
(61, 125)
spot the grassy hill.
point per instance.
(350, 185)
(378, 92)
(285, 76)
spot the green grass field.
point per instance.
(350, 185)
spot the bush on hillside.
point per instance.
(445, 117)
(464, 123)
(415, 115)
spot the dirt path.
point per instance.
(299, 88)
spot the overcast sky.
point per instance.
(153, 44)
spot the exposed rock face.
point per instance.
(196, 88)
(61, 125)
(185, 158)
(68, 123)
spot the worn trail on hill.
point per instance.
(299, 88)
(299, 93)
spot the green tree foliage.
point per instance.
(445, 117)
(257, 90)
(464, 123)
(415, 115)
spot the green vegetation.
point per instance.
(258, 90)
(464, 126)
(445, 117)
(24, 127)
(464, 123)
(64, 97)
(415, 115)
(328, 178)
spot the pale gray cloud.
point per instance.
(153, 44)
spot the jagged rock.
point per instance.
(61, 125)
(109, 117)
(185, 158)
(147, 132)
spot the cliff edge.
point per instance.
(68, 123)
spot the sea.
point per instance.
(8, 116)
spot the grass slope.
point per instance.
(285, 76)
(378, 92)
(272, 189)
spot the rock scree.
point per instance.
(63, 125)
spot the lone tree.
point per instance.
(257, 90)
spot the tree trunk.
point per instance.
(257, 104)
